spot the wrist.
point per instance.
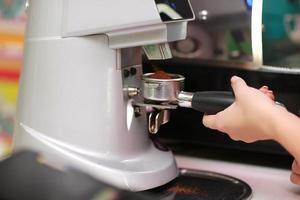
(279, 118)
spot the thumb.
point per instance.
(209, 121)
(237, 84)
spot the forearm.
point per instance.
(287, 132)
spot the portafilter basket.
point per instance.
(162, 90)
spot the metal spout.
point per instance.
(158, 51)
(156, 119)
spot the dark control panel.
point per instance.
(174, 10)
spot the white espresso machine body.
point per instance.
(72, 107)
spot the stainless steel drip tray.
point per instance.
(202, 185)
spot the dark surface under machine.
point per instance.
(24, 176)
(202, 185)
(185, 127)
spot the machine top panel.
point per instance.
(174, 10)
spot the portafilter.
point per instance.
(171, 91)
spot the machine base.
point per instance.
(151, 169)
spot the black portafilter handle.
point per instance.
(212, 102)
(209, 102)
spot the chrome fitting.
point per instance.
(185, 99)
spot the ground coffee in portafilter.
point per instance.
(160, 74)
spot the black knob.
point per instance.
(126, 73)
(133, 71)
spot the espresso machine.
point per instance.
(78, 104)
(86, 104)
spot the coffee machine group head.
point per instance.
(76, 104)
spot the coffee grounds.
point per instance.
(160, 74)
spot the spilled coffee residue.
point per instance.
(184, 189)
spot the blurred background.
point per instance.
(12, 27)
(281, 34)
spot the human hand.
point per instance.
(266, 91)
(249, 118)
(295, 176)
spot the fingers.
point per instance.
(270, 94)
(216, 122)
(295, 176)
(237, 84)
(296, 168)
(266, 91)
(210, 121)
